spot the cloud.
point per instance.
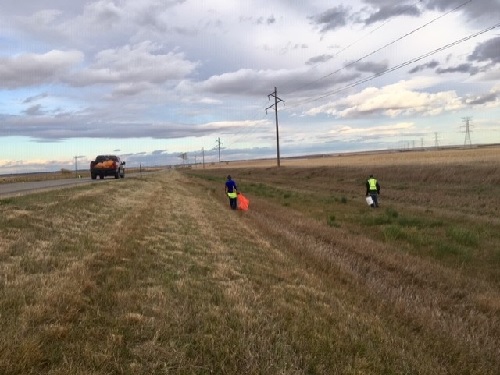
(399, 99)
(158, 152)
(369, 67)
(35, 98)
(490, 98)
(331, 19)
(419, 68)
(251, 82)
(346, 131)
(487, 51)
(103, 12)
(232, 126)
(139, 64)
(56, 128)
(462, 68)
(484, 99)
(31, 69)
(386, 12)
(319, 59)
(35, 110)
(477, 12)
(266, 21)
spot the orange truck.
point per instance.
(107, 165)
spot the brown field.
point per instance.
(456, 155)
(163, 278)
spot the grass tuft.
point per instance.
(462, 236)
(331, 221)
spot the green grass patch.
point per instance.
(394, 233)
(330, 221)
(463, 236)
(448, 250)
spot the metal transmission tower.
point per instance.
(274, 94)
(467, 127)
(436, 143)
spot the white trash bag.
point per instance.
(369, 200)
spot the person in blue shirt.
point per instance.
(232, 192)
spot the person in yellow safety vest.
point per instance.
(232, 192)
(373, 190)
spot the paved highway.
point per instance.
(20, 188)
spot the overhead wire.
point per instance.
(249, 131)
(386, 71)
(309, 84)
(245, 130)
(346, 48)
(384, 46)
(399, 66)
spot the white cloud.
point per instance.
(400, 99)
(33, 69)
(386, 130)
(133, 64)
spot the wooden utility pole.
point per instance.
(275, 105)
(76, 165)
(218, 146)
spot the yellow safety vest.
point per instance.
(232, 195)
(373, 183)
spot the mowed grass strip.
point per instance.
(156, 275)
(449, 302)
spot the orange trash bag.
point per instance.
(242, 202)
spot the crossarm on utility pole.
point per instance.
(274, 94)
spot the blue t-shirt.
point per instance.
(231, 185)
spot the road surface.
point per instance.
(21, 188)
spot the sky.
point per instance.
(170, 82)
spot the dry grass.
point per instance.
(165, 279)
(444, 156)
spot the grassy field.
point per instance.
(155, 275)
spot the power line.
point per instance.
(381, 48)
(389, 70)
(356, 83)
(397, 67)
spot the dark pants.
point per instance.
(233, 203)
(374, 196)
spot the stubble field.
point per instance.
(165, 279)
